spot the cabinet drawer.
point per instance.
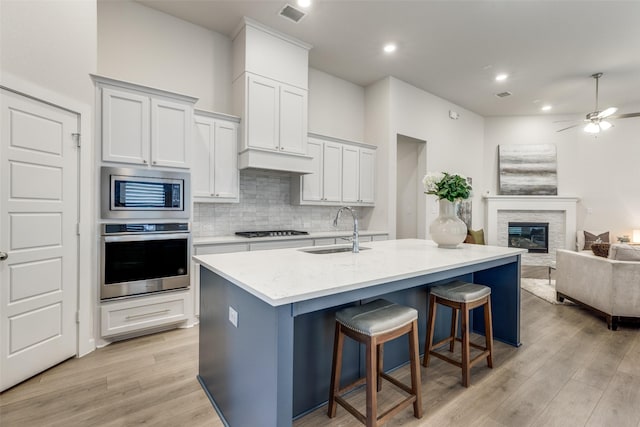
(258, 246)
(120, 317)
(221, 249)
(324, 242)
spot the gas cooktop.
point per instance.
(273, 233)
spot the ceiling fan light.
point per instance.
(604, 125)
(606, 113)
(592, 128)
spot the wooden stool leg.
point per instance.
(454, 328)
(488, 331)
(371, 387)
(415, 370)
(336, 368)
(380, 350)
(431, 321)
(465, 345)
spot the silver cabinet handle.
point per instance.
(3, 256)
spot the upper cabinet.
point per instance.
(144, 126)
(270, 91)
(343, 173)
(215, 175)
(358, 171)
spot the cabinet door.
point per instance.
(350, 174)
(225, 161)
(262, 113)
(332, 172)
(202, 171)
(171, 124)
(293, 119)
(312, 183)
(367, 176)
(125, 127)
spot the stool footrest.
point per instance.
(396, 382)
(384, 417)
(458, 363)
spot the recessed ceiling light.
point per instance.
(304, 3)
(390, 47)
(546, 108)
(501, 77)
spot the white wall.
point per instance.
(603, 171)
(336, 107)
(452, 145)
(378, 132)
(50, 44)
(143, 45)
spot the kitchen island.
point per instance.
(267, 317)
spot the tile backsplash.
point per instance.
(265, 205)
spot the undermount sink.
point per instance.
(330, 250)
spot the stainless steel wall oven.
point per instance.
(142, 258)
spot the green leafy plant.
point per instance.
(452, 187)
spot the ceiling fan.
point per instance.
(596, 119)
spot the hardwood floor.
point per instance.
(570, 371)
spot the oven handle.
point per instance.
(146, 237)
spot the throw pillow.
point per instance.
(622, 252)
(475, 236)
(590, 238)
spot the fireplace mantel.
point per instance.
(566, 204)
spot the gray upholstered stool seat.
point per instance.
(461, 297)
(461, 291)
(373, 324)
(376, 317)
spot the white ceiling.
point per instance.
(453, 49)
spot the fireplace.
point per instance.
(533, 236)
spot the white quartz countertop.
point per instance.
(199, 241)
(285, 276)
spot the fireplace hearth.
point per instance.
(533, 236)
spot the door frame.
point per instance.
(87, 241)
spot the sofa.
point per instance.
(608, 286)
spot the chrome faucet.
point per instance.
(355, 240)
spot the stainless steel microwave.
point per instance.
(129, 193)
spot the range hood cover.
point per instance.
(254, 158)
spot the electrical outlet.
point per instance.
(589, 211)
(233, 316)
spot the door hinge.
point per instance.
(76, 137)
(77, 317)
(77, 229)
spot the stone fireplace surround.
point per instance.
(559, 211)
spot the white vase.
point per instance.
(447, 230)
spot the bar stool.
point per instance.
(373, 324)
(460, 296)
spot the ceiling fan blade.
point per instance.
(563, 121)
(624, 116)
(606, 113)
(570, 127)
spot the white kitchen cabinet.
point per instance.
(367, 176)
(144, 126)
(325, 183)
(136, 314)
(343, 172)
(276, 116)
(215, 176)
(358, 176)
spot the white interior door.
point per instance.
(38, 220)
